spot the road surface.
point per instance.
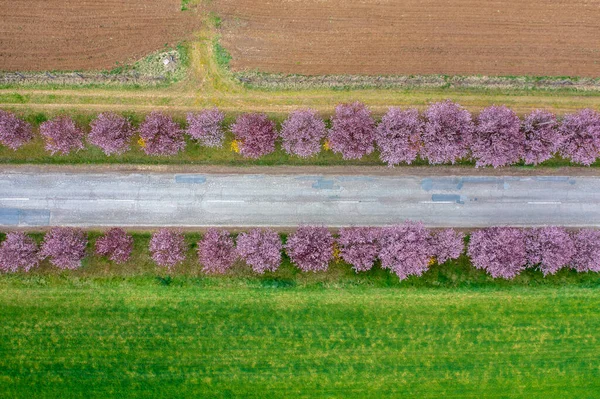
(197, 200)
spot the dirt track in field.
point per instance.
(87, 34)
(510, 37)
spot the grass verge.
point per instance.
(452, 274)
(195, 154)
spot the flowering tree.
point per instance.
(14, 132)
(65, 246)
(61, 135)
(498, 250)
(302, 133)
(398, 136)
(581, 136)
(359, 246)
(206, 127)
(447, 244)
(498, 139)
(111, 132)
(405, 249)
(256, 135)
(310, 248)
(261, 249)
(18, 252)
(160, 135)
(587, 251)
(549, 247)
(115, 244)
(216, 251)
(542, 139)
(168, 247)
(448, 132)
(353, 131)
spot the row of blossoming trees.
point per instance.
(407, 250)
(444, 133)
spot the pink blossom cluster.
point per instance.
(352, 132)
(407, 249)
(168, 248)
(216, 251)
(14, 132)
(111, 132)
(65, 247)
(61, 135)
(256, 134)
(116, 245)
(310, 248)
(161, 135)
(500, 251)
(445, 133)
(302, 133)
(206, 127)
(261, 249)
(18, 252)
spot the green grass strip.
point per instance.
(128, 341)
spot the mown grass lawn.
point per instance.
(136, 338)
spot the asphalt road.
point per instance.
(156, 199)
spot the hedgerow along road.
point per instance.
(196, 200)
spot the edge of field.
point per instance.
(209, 82)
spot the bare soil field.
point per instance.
(87, 34)
(509, 37)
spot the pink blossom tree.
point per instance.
(405, 249)
(168, 248)
(216, 251)
(310, 248)
(261, 249)
(447, 244)
(587, 251)
(542, 139)
(302, 133)
(161, 135)
(61, 135)
(398, 136)
(256, 135)
(353, 131)
(115, 244)
(552, 248)
(65, 246)
(500, 251)
(206, 127)
(581, 136)
(498, 139)
(14, 132)
(111, 132)
(359, 246)
(448, 133)
(18, 252)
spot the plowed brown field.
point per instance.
(87, 34)
(510, 37)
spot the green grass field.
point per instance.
(135, 330)
(133, 338)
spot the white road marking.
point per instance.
(114, 200)
(437, 202)
(226, 201)
(14, 199)
(544, 202)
